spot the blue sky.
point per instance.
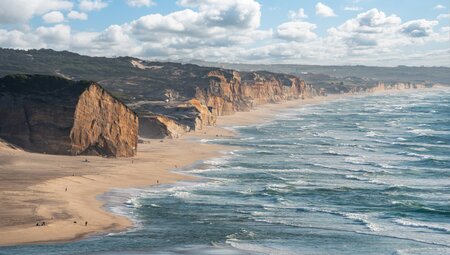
(370, 32)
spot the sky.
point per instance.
(325, 32)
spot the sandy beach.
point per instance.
(62, 190)
(33, 188)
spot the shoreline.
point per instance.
(46, 199)
(65, 212)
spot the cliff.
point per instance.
(381, 86)
(226, 92)
(160, 126)
(53, 115)
(232, 91)
(188, 95)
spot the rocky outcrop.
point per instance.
(396, 86)
(159, 126)
(203, 114)
(228, 92)
(53, 115)
(231, 91)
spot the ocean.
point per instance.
(366, 174)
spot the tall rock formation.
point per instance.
(53, 115)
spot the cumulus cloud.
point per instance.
(230, 13)
(92, 5)
(324, 10)
(220, 30)
(296, 31)
(444, 16)
(53, 17)
(18, 39)
(418, 28)
(77, 15)
(439, 7)
(55, 35)
(297, 15)
(20, 11)
(373, 33)
(373, 20)
(367, 29)
(140, 3)
(205, 25)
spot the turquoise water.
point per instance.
(360, 175)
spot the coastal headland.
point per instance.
(62, 191)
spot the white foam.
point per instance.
(362, 218)
(357, 178)
(298, 182)
(133, 202)
(427, 131)
(182, 194)
(420, 224)
(372, 134)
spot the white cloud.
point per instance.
(218, 30)
(230, 13)
(18, 39)
(444, 16)
(53, 17)
(92, 5)
(374, 19)
(418, 28)
(439, 7)
(352, 8)
(297, 15)
(203, 29)
(58, 34)
(20, 11)
(113, 35)
(140, 3)
(296, 31)
(375, 34)
(77, 15)
(324, 10)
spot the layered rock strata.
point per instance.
(227, 92)
(53, 115)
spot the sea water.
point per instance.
(365, 174)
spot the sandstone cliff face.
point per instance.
(231, 91)
(159, 126)
(57, 116)
(103, 125)
(205, 116)
(228, 92)
(389, 86)
(395, 86)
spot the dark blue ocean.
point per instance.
(365, 174)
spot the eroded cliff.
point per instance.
(53, 115)
(218, 92)
(232, 91)
(103, 125)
